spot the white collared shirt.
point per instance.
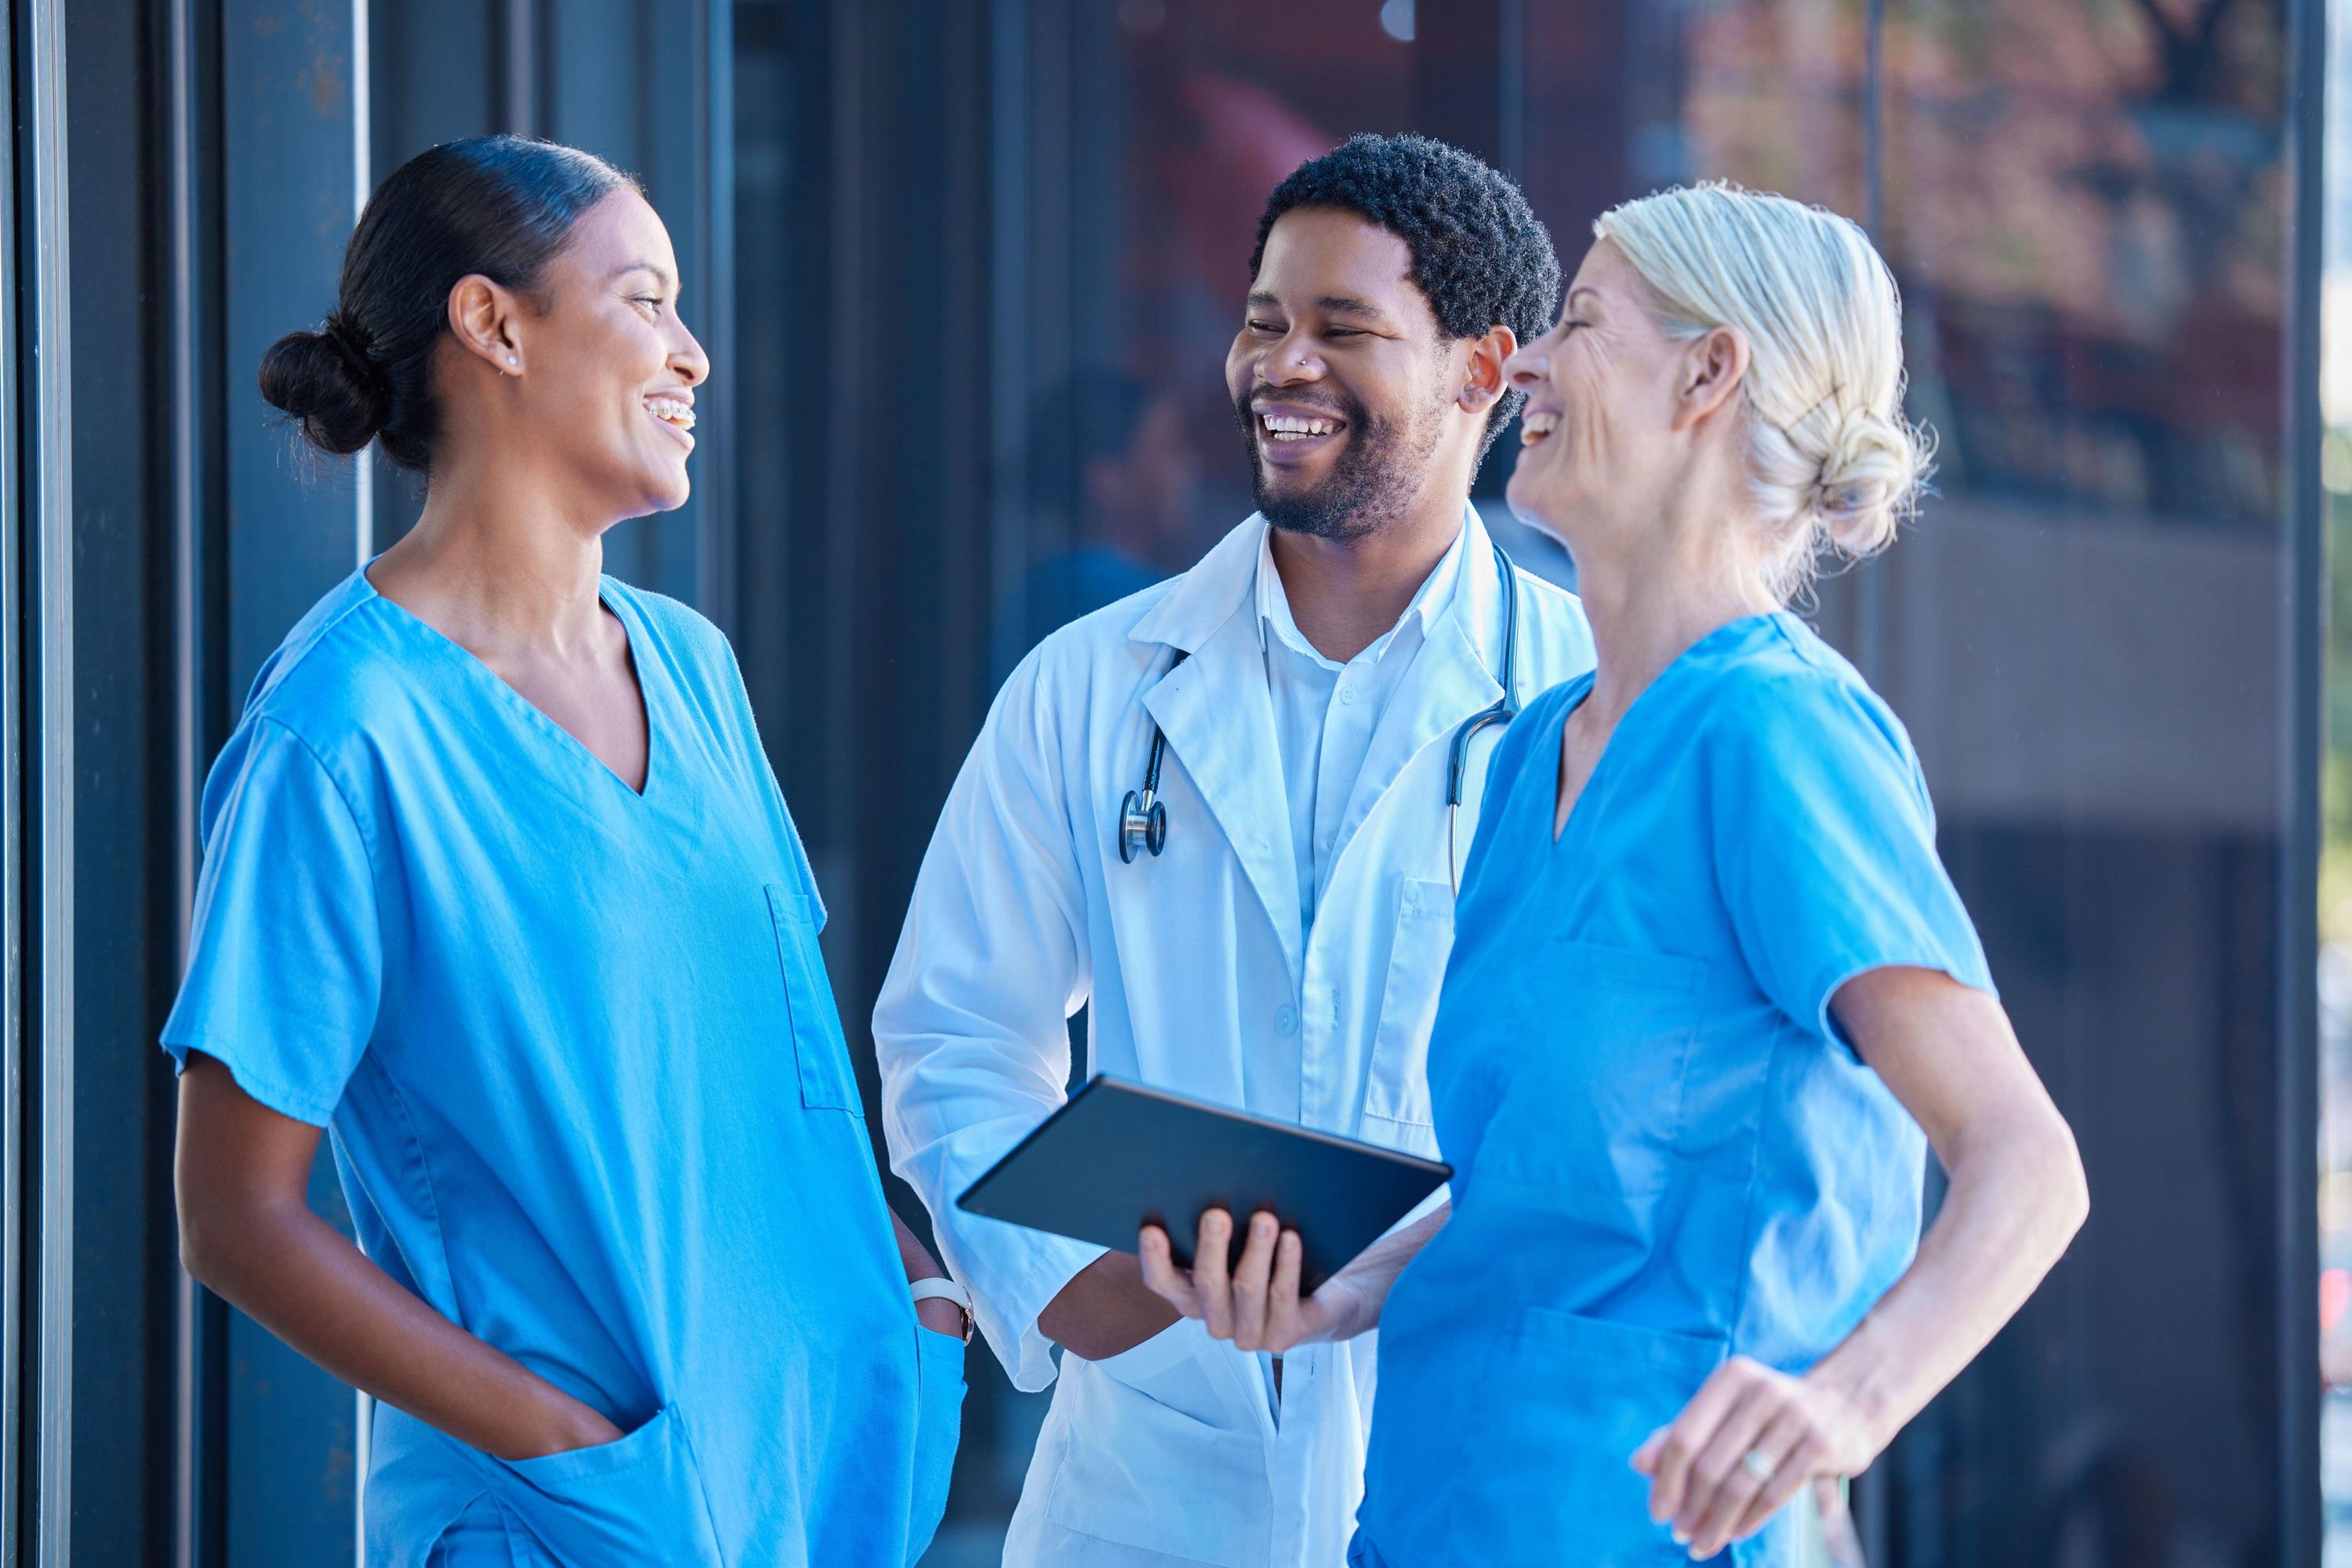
(1325, 713)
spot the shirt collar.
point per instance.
(1434, 598)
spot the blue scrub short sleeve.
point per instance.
(285, 956)
(1825, 845)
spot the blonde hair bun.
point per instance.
(1832, 465)
(1870, 476)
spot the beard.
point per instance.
(1380, 469)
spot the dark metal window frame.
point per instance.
(41, 612)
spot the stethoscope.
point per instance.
(1143, 816)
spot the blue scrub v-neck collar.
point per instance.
(640, 646)
(1573, 696)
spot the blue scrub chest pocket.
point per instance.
(819, 1046)
(1606, 1117)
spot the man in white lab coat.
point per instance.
(1283, 952)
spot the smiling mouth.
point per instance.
(1535, 428)
(1287, 428)
(673, 412)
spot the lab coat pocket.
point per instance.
(1396, 1092)
(1573, 1396)
(939, 1430)
(1167, 1369)
(818, 1045)
(1167, 1451)
(636, 1499)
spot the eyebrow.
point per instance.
(661, 273)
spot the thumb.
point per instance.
(1645, 1457)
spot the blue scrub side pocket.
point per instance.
(818, 1044)
(939, 1431)
(1573, 1397)
(638, 1499)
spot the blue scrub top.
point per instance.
(586, 1089)
(1664, 1151)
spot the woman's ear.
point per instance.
(1483, 381)
(482, 319)
(1714, 364)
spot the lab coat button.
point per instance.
(1286, 1019)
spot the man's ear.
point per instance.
(483, 319)
(1483, 380)
(1714, 366)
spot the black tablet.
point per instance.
(1119, 1154)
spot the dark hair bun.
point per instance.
(497, 205)
(325, 380)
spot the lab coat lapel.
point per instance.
(1449, 681)
(1218, 716)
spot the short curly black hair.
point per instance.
(1480, 255)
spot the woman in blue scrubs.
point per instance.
(1712, 994)
(499, 889)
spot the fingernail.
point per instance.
(1682, 1536)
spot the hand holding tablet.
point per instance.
(1120, 1156)
(1258, 1305)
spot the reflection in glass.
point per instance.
(989, 260)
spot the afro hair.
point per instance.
(1480, 256)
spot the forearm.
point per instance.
(2015, 1199)
(1361, 1291)
(1106, 1309)
(913, 1255)
(296, 1277)
(938, 1316)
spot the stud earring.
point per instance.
(511, 359)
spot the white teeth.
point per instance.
(670, 411)
(1534, 428)
(1291, 427)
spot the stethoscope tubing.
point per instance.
(1143, 816)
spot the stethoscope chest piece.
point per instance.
(1142, 824)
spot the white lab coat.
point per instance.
(1173, 1453)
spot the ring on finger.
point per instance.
(1759, 1464)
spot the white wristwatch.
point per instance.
(942, 1289)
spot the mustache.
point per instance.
(1246, 407)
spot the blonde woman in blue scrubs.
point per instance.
(1712, 995)
(499, 892)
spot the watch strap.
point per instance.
(940, 1288)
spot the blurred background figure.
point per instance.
(1113, 477)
